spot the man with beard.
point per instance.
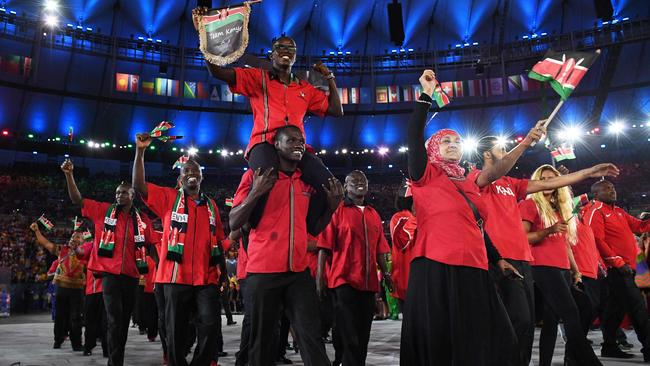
(190, 255)
(614, 231)
(119, 255)
(277, 267)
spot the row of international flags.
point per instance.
(353, 95)
(15, 65)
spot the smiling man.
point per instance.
(355, 242)
(278, 98)
(277, 268)
(190, 254)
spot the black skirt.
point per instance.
(453, 316)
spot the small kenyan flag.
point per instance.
(563, 70)
(180, 162)
(77, 223)
(441, 98)
(47, 224)
(563, 153)
(87, 235)
(229, 202)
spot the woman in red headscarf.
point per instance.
(452, 313)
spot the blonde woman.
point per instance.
(551, 230)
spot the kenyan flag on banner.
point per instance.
(223, 34)
(563, 70)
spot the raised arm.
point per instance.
(334, 99)
(417, 155)
(142, 141)
(502, 166)
(262, 184)
(596, 171)
(41, 240)
(75, 196)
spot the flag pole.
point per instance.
(550, 117)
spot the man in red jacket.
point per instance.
(190, 255)
(121, 234)
(614, 231)
(355, 242)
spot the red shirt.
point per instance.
(585, 251)
(550, 251)
(275, 104)
(505, 229)
(447, 230)
(354, 236)
(195, 269)
(279, 242)
(93, 284)
(123, 259)
(614, 231)
(402, 232)
(242, 260)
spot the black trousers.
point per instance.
(314, 173)
(326, 310)
(181, 301)
(555, 286)
(354, 310)
(453, 316)
(149, 314)
(225, 302)
(159, 295)
(119, 299)
(296, 292)
(518, 297)
(137, 315)
(241, 358)
(624, 297)
(95, 321)
(283, 336)
(67, 319)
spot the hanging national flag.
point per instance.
(495, 86)
(407, 93)
(475, 88)
(147, 87)
(201, 90)
(180, 162)
(229, 202)
(354, 96)
(214, 96)
(417, 91)
(343, 95)
(189, 89)
(226, 94)
(563, 70)
(448, 88)
(173, 88)
(393, 94)
(562, 152)
(365, 95)
(121, 82)
(381, 94)
(440, 96)
(47, 224)
(70, 134)
(458, 89)
(161, 86)
(514, 84)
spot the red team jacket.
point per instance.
(402, 232)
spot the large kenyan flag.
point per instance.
(563, 70)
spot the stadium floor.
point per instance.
(27, 339)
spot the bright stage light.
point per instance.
(403, 149)
(51, 5)
(344, 151)
(224, 153)
(51, 21)
(616, 127)
(470, 144)
(383, 150)
(571, 134)
(192, 151)
(502, 141)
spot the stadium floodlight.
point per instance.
(572, 134)
(192, 151)
(383, 150)
(616, 128)
(502, 141)
(51, 5)
(470, 144)
(51, 21)
(224, 153)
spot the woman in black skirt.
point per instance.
(452, 313)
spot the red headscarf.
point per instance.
(453, 169)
